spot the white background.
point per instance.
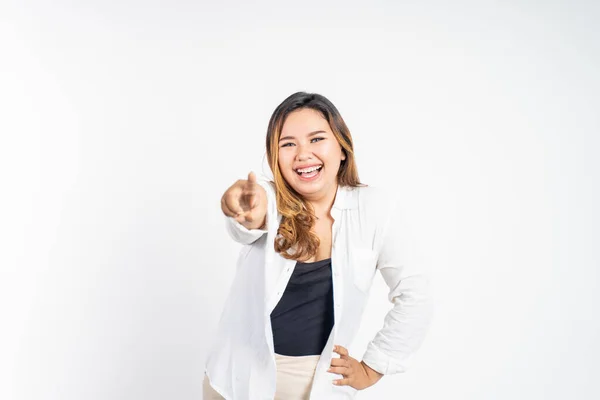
(123, 122)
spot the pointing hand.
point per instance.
(246, 201)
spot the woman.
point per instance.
(313, 240)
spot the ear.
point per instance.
(343, 155)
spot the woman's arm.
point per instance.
(406, 274)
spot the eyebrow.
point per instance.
(309, 135)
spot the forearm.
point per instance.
(405, 327)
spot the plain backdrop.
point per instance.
(123, 122)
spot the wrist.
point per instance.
(255, 225)
(373, 375)
(264, 225)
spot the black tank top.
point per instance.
(303, 318)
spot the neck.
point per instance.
(322, 206)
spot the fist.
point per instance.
(246, 202)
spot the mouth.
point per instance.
(310, 172)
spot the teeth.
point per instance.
(310, 169)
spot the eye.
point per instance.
(317, 138)
(287, 144)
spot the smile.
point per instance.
(307, 170)
(309, 173)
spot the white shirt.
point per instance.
(368, 235)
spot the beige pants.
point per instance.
(294, 378)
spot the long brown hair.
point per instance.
(298, 216)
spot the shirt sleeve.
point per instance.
(243, 235)
(407, 276)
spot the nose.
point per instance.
(303, 153)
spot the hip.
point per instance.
(295, 376)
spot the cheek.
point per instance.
(333, 152)
(284, 162)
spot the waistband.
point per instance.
(304, 362)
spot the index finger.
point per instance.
(341, 350)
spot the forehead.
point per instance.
(304, 121)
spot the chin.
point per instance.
(308, 188)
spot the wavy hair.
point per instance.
(294, 237)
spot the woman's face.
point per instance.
(309, 154)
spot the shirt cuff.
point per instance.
(381, 362)
(245, 230)
(242, 234)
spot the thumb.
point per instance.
(253, 199)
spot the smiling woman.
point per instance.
(310, 136)
(314, 238)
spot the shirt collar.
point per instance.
(346, 197)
